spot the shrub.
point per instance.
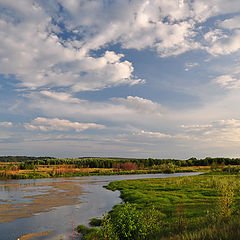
(127, 223)
(82, 229)
(95, 222)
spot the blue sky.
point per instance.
(120, 78)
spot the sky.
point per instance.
(120, 78)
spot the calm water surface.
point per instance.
(91, 201)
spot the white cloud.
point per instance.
(230, 23)
(203, 9)
(154, 134)
(140, 105)
(214, 36)
(115, 110)
(32, 50)
(160, 135)
(226, 131)
(61, 96)
(196, 127)
(39, 58)
(230, 77)
(55, 124)
(6, 124)
(49, 60)
(102, 72)
(228, 81)
(189, 65)
(222, 44)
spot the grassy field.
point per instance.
(194, 207)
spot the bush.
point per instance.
(126, 222)
(82, 229)
(95, 222)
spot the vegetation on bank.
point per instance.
(100, 162)
(39, 173)
(22, 167)
(194, 207)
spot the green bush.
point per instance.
(127, 222)
(95, 222)
(82, 229)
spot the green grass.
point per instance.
(191, 207)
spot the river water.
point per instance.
(57, 205)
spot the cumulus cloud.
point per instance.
(40, 53)
(55, 124)
(6, 124)
(139, 104)
(166, 26)
(32, 50)
(222, 44)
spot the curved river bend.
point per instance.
(57, 205)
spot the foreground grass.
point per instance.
(193, 207)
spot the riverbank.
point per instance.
(194, 207)
(63, 171)
(22, 167)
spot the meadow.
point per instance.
(195, 207)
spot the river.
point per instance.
(57, 205)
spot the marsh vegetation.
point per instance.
(194, 207)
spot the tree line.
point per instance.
(95, 162)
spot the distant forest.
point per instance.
(99, 162)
